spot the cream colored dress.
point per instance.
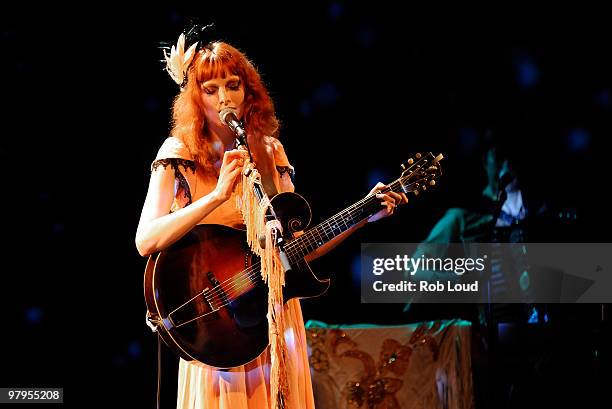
(247, 386)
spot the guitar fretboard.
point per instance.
(324, 232)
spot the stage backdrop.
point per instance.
(424, 365)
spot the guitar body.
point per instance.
(205, 294)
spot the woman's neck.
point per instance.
(224, 135)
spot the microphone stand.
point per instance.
(279, 241)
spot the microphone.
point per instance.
(228, 117)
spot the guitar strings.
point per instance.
(218, 293)
(252, 271)
(291, 251)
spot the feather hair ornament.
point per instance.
(179, 60)
(177, 63)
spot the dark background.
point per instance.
(358, 89)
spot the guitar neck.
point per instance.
(417, 176)
(329, 229)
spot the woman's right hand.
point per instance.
(231, 167)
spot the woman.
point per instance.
(192, 182)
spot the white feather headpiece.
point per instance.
(178, 62)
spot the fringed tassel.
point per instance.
(253, 212)
(279, 388)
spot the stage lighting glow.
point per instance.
(578, 140)
(528, 73)
(34, 315)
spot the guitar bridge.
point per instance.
(208, 301)
(216, 285)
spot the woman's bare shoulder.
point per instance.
(173, 147)
(276, 148)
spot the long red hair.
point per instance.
(189, 122)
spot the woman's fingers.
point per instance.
(387, 201)
(388, 208)
(387, 198)
(231, 177)
(379, 186)
(237, 162)
(393, 197)
(234, 154)
(234, 174)
(397, 198)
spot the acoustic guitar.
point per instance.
(205, 295)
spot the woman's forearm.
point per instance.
(161, 232)
(324, 249)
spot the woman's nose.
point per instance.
(223, 96)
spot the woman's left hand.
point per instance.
(390, 200)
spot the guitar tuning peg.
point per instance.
(424, 187)
(418, 156)
(403, 166)
(416, 192)
(410, 161)
(432, 182)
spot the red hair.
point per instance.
(189, 122)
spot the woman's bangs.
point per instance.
(216, 68)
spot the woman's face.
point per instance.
(220, 93)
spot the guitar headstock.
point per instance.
(420, 173)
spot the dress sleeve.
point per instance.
(173, 154)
